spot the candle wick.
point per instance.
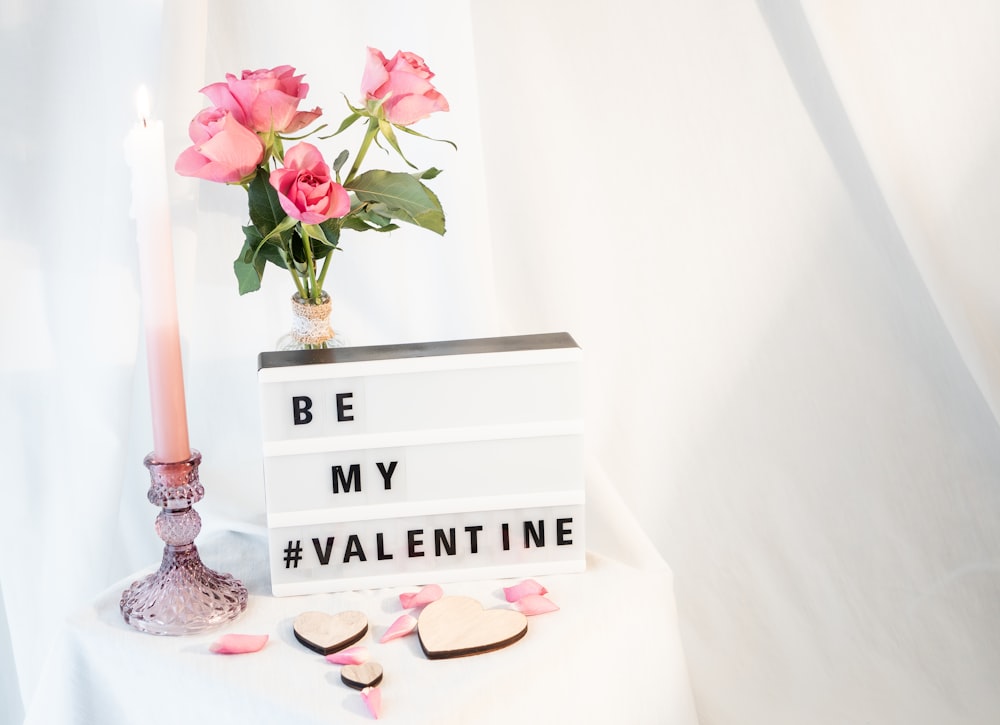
(144, 122)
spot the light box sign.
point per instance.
(442, 461)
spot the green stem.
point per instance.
(298, 284)
(322, 272)
(369, 137)
(310, 264)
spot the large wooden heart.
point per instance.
(328, 633)
(459, 626)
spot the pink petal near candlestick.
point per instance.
(430, 593)
(238, 644)
(528, 586)
(400, 628)
(531, 604)
(372, 697)
(349, 656)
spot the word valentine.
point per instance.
(382, 552)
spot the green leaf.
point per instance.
(430, 173)
(295, 255)
(339, 162)
(407, 129)
(251, 240)
(279, 231)
(274, 254)
(265, 209)
(246, 276)
(364, 211)
(305, 135)
(400, 196)
(248, 267)
(386, 129)
(365, 220)
(326, 237)
(330, 233)
(346, 123)
(436, 211)
(257, 251)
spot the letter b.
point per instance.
(301, 413)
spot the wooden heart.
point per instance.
(368, 674)
(459, 626)
(328, 633)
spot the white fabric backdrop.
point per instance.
(770, 225)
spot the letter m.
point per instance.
(353, 478)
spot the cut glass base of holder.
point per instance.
(183, 597)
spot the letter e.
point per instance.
(563, 532)
(343, 406)
(412, 542)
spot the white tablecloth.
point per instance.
(610, 654)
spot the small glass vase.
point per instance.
(311, 326)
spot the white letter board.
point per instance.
(441, 461)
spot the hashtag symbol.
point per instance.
(293, 555)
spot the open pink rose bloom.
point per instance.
(404, 83)
(223, 150)
(305, 190)
(265, 100)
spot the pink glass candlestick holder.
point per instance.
(184, 596)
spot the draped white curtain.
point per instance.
(770, 226)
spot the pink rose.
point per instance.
(404, 83)
(264, 100)
(224, 150)
(305, 189)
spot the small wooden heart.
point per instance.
(459, 626)
(328, 633)
(368, 674)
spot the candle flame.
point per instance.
(142, 103)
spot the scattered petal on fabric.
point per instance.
(400, 628)
(373, 699)
(238, 644)
(350, 656)
(528, 586)
(430, 593)
(531, 604)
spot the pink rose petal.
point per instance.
(349, 656)
(400, 628)
(238, 644)
(531, 604)
(373, 699)
(528, 586)
(430, 593)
